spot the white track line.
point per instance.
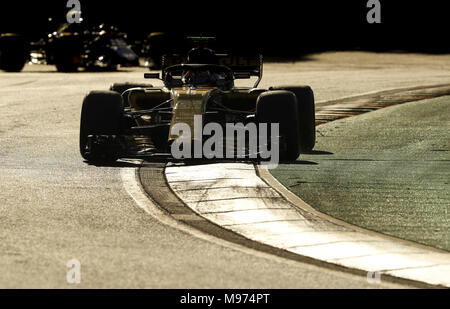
(220, 193)
(132, 186)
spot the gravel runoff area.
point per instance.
(387, 171)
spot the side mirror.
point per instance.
(151, 76)
(241, 75)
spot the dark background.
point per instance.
(279, 28)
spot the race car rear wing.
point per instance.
(240, 65)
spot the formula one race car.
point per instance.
(200, 96)
(69, 47)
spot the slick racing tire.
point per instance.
(101, 114)
(280, 107)
(122, 87)
(13, 52)
(66, 64)
(66, 53)
(306, 115)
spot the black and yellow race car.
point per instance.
(140, 120)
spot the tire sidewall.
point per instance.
(306, 115)
(281, 106)
(101, 114)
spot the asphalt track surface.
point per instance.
(54, 207)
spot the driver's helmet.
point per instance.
(205, 78)
(201, 78)
(202, 55)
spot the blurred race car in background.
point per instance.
(155, 45)
(70, 47)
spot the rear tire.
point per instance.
(306, 115)
(65, 53)
(66, 65)
(13, 52)
(101, 114)
(281, 107)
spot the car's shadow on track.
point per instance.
(298, 162)
(167, 159)
(119, 164)
(306, 162)
(318, 152)
(191, 162)
(82, 71)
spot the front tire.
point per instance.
(13, 52)
(101, 114)
(65, 53)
